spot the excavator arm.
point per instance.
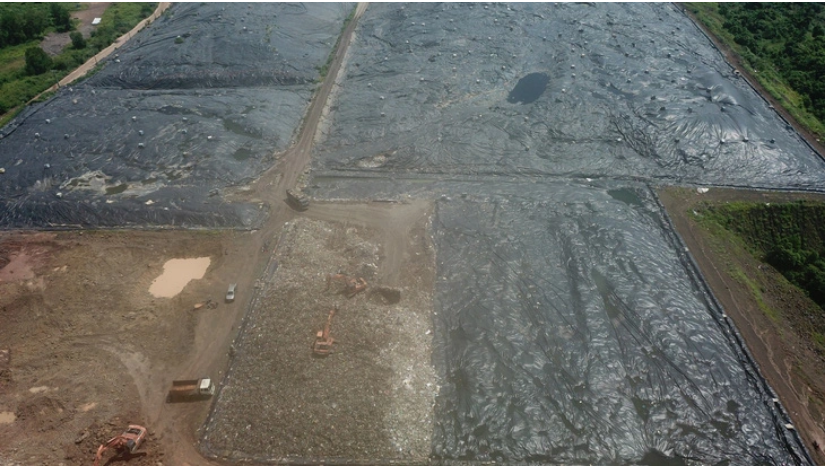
(323, 341)
(127, 442)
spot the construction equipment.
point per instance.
(323, 341)
(194, 389)
(352, 285)
(126, 443)
(298, 200)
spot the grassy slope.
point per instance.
(752, 230)
(762, 70)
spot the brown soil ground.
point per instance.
(92, 350)
(55, 42)
(791, 362)
(735, 60)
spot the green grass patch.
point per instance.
(322, 71)
(788, 236)
(12, 59)
(789, 232)
(738, 275)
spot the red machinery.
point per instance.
(352, 285)
(323, 341)
(128, 442)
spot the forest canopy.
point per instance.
(790, 36)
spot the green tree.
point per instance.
(11, 28)
(37, 61)
(35, 22)
(77, 40)
(61, 19)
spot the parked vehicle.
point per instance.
(231, 292)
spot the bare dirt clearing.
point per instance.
(92, 350)
(55, 42)
(788, 362)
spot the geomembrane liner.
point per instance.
(633, 91)
(194, 104)
(570, 327)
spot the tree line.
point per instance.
(790, 36)
(22, 22)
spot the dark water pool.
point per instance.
(529, 88)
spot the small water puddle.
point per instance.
(529, 88)
(242, 154)
(176, 275)
(627, 196)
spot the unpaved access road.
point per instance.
(92, 350)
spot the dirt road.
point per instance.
(213, 338)
(134, 344)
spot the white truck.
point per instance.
(194, 389)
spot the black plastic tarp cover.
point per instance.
(194, 105)
(603, 90)
(570, 333)
(571, 326)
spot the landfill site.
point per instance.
(395, 233)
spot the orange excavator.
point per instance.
(126, 443)
(352, 285)
(323, 343)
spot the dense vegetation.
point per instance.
(26, 70)
(783, 43)
(21, 22)
(790, 237)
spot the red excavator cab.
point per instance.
(323, 344)
(126, 443)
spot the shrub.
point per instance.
(78, 42)
(37, 61)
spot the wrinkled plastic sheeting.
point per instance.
(632, 91)
(570, 328)
(230, 45)
(568, 332)
(168, 127)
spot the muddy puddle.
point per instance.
(176, 275)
